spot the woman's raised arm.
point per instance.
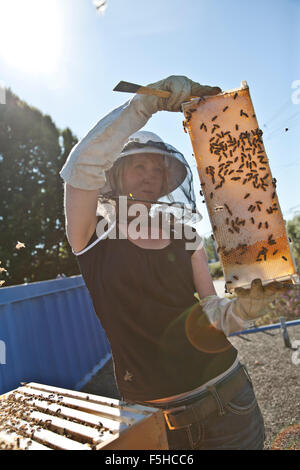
(80, 212)
(202, 278)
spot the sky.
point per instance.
(64, 58)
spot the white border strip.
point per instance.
(95, 242)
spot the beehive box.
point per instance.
(42, 417)
(239, 189)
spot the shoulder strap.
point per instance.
(95, 239)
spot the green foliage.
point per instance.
(293, 228)
(287, 306)
(210, 249)
(32, 152)
(216, 270)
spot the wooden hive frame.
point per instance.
(43, 417)
(239, 189)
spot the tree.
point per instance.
(210, 249)
(293, 228)
(32, 152)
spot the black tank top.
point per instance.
(142, 297)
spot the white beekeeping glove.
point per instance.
(97, 151)
(220, 314)
(254, 302)
(231, 315)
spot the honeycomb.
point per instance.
(238, 187)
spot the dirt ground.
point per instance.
(275, 372)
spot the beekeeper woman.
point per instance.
(143, 288)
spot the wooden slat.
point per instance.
(100, 410)
(74, 394)
(79, 431)
(49, 438)
(88, 418)
(112, 402)
(23, 442)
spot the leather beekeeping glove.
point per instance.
(230, 315)
(97, 151)
(181, 88)
(254, 302)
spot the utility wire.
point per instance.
(283, 127)
(280, 110)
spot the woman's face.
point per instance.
(144, 176)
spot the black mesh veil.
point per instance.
(178, 196)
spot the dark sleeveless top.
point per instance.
(142, 297)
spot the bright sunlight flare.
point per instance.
(31, 35)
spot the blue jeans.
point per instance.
(240, 428)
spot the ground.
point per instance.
(276, 379)
(275, 372)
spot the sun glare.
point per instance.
(31, 35)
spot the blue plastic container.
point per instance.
(49, 333)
